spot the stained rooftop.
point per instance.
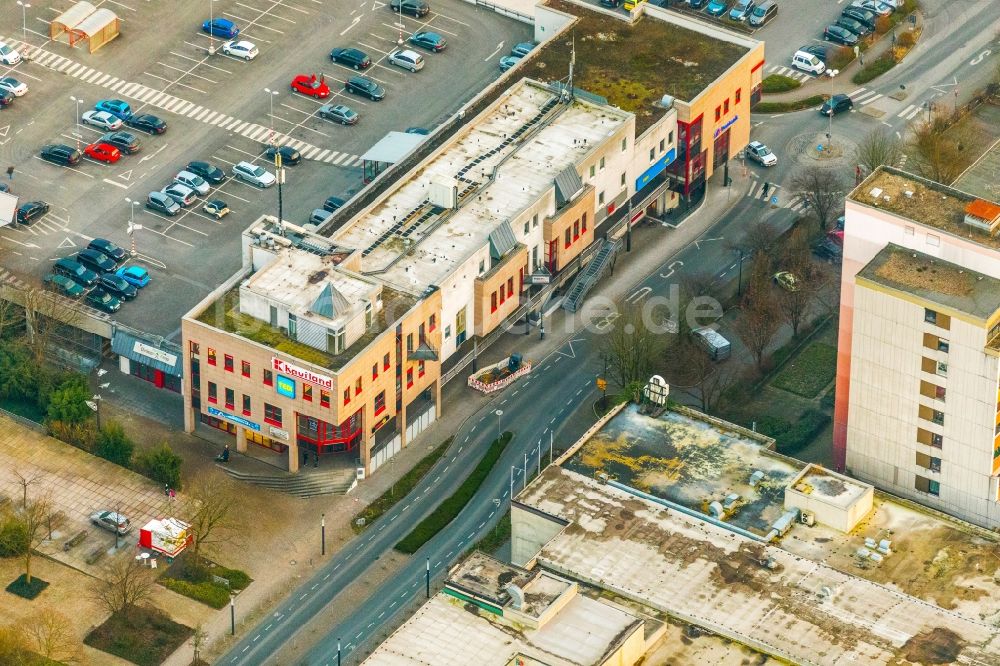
(934, 280)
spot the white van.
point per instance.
(718, 347)
(808, 62)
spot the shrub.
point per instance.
(68, 403)
(81, 435)
(906, 39)
(13, 537)
(114, 445)
(777, 83)
(883, 24)
(797, 105)
(160, 464)
(211, 594)
(839, 58)
(873, 69)
(790, 438)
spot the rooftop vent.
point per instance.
(516, 595)
(983, 215)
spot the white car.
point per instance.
(875, 6)
(407, 59)
(758, 152)
(13, 86)
(240, 49)
(194, 181)
(102, 119)
(182, 194)
(9, 56)
(253, 174)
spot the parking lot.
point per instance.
(218, 110)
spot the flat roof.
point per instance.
(486, 577)
(928, 203)
(393, 147)
(633, 65)
(422, 252)
(798, 609)
(835, 489)
(934, 280)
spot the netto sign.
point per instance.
(302, 373)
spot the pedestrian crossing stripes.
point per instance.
(789, 72)
(864, 96)
(793, 202)
(173, 104)
(910, 112)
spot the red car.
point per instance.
(311, 86)
(103, 152)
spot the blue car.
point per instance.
(116, 107)
(220, 27)
(741, 10)
(717, 7)
(134, 275)
(507, 62)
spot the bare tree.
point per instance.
(705, 379)
(45, 315)
(822, 190)
(794, 306)
(25, 480)
(630, 350)
(198, 642)
(937, 153)
(757, 325)
(126, 585)
(52, 636)
(34, 517)
(878, 148)
(14, 649)
(212, 510)
(760, 237)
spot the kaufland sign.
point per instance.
(301, 373)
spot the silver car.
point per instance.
(112, 521)
(182, 194)
(407, 59)
(194, 181)
(253, 174)
(102, 119)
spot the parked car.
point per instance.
(339, 113)
(875, 6)
(209, 172)
(717, 7)
(860, 15)
(808, 62)
(116, 285)
(30, 211)
(102, 120)
(320, 216)
(306, 84)
(75, 271)
(741, 10)
(836, 104)
(240, 49)
(63, 286)
(786, 280)
(137, 276)
(509, 61)
(835, 33)
(827, 249)
(6, 99)
(162, 203)
(429, 40)
(13, 86)
(99, 298)
(333, 203)
(60, 153)
(8, 55)
(522, 49)
(109, 249)
(289, 156)
(148, 123)
(123, 141)
(818, 50)
(116, 107)
(407, 59)
(96, 261)
(103, 152)
(217, 208)
(763, 13)
(194, 181)
(858, 28)
(761, 154)
(697, 4)
(253, 174)
(220, 27)
(351, 57)
(362, 85)
(416, 8)
(423, 131)
(182, 194)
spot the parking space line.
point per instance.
(115, 183)
(266, 13)
(322, 155)
(450, 18)
(175, 83)
(115, 86)
(186, 72)
(68, 168)
(201, 114)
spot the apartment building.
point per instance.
(918, 372)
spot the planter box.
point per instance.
(501, 383)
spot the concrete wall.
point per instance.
(630, 650)
(554, 229)
(530, 531)
(496, 281)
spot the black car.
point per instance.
(27, 213)
(126, 142)
(827, 249)
(836, 104)
(333, 203)
(423, 131)
(209, 172)
(362, 85)
(6, 99)
(60, 153)
(817, 50)
(351, 57)
(289, 156)
(108, 248)
(147, 123)
(835, 33)
(117, 286)
(96, 261)
(858, 28)
(102, 300)
(860, 15)
(411, 7)
(429, 40)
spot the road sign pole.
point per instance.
(322, 534)
(427, 584)
(338, 652)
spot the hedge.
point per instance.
(797, 105)
(776, 83)
(876, 68)
(454, 504)
(211, 594)
(790, 438)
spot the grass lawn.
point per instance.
(144, 636)
(196, 580)
(453, 505)
(777, 83)
(796, 105)
(21, 588)
(400, 489)
(810, 372)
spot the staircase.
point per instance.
(304, 485)
(590, 274)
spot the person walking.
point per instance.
(765, 189)
(305, 458)
(173, 495)
(315, 459)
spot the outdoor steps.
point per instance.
(310, 484)
(589, 275)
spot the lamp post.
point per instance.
(427, 584)
(232, 615)
(211, 26)
(118, 516)
(739, 282)
(499, 413)
(322, 534)
(24, 19)
(76, 119)
(132, 226)
(270, 96)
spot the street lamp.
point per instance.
(132, 226)
(211, 25)
(24, 19)
(232, 615)
(76, 119)
(399, 22)
(270, 98)
(739, 283)
(499, 413)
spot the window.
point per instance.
(937, 441)
(211, 356)
(600, 198)
(409, 342)
(493, 302)
(420, 369)
(738, 95)
(652, 154)
(380, 403)
(576, 229)
(526, 229)
(368, 315)
(347, 395)
(357, 386)
(510, 286)
(374, 371)
(942, 369)
(307, 392)
(623, 179)
(503, 296)
(432, 323)
(940, 392)
(272, 414)
(937, 417)
(447, 332)
(245, 368)
(246, 405)
(624, 144)
(942, 345)
(583, 223)
(934, 488)
(482, 266)
(725, 106)
(229, 363)
(324, 398)
(718, 113)
(933, 240)
(593, 170)
(385, 362)
(268, 378)
(663, 143)
(194, 347)
(930, 316)
(670, 137)
(409, 377)
(568, 239)
(213, 394)
(602, 164)
(230, 398)
(534, 221)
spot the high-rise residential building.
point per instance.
(918, 372)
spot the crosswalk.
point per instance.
(179, 106)
(789, 72)
(863, 96)
(910, 112)
(794, 202)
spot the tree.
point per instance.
(822, 190)
(198, 642)
(212, 511)
(937, 154)
(794, 305)
(52, 636)
(13, 538)
(68, 403)
(25, 479)
(46, 316)
(693, 369)
(878, 148)
(14, 650)
(160, 464)
(760, 238)
(34, 517)
(114, 445)
(127, 585)
(757, 324)
(630, 349)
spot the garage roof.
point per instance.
(393, 147)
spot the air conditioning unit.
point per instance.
(807, 518)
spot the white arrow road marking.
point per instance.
(499, 46)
